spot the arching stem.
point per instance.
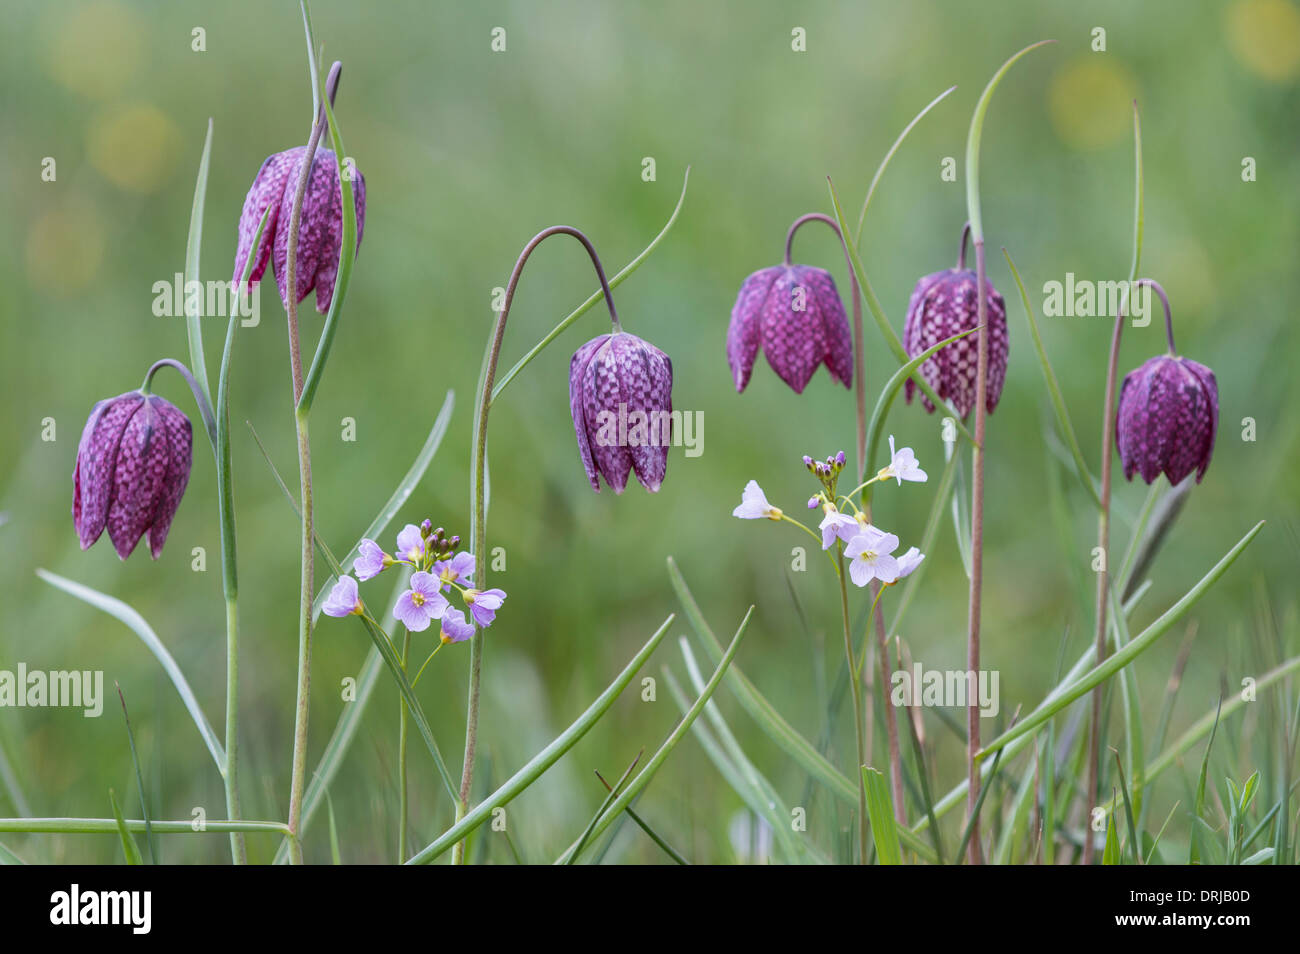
(478, 480)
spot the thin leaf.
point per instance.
(1109, 856)
(129, 847)
(7, 857)
(336, 856)
(646, 774)
(126, 614)
(1122, 657)
(613, 794)
(544, 759)
(193, 251)
(880, 809)
(109, 826)
(139, 779)
(1199, 809)
(654, 836)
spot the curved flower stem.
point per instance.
(302, 706)
(217, 426)
(858, 712)
(401, 761)
(859, 360)
(478, 490)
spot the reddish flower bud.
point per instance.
(320, 229)
(620, 395)
(1167, 419)
(945, 304)
(795, 314)
(133, 463)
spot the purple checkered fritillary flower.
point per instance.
(133, 463)
(620, 396)
(1167, 419)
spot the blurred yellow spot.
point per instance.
(95, 49)
(1265, 37)
(1090, 101)
(64, 249)
(135, 147)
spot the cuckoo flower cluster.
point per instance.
(870, 549)
(439, 570)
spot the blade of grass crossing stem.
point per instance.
(1124, 656)
(596, 296)
(193, 250)
(613, 794)
(544, 759)
(880, 809)
(128, 615)
(646, 774)
(139, 778)
(1063, 422)
(890, 391)
(129, 847)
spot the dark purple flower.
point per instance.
(946, 304)
(1167, 419)
(620, 394)
(133, 463)
(320, 230)
(794, 313)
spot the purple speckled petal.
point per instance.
(1210, 389)
(267, 192)
(835, 323)
(180, 444)
(1167, 419)
(602, 390)
(320, 229)
(138, 476)
(744, 333)
(577, 375)
(93, 476)
(648, 385)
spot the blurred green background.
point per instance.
(467, 153)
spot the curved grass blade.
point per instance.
(1063, 422)
(596, 296)
(880, 170)
(544, 759)
(880, 809)
(139, 779)
(126, 614)
(193, 251)
(109, 826)
(1123, 656)
(129, 847)
(347, 256)
(890, 391)
(646, 774)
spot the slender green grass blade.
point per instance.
(129, 847)
(613, 794)
(126, 614)
(193, 252)
(1122, 657)
(7, 856)
(1110, 855)
(139, 778)
(653, 835)
(1199, 810)
(544, 759)
(1135, 845)
(880, 809)
(336, 857)
(646, 774)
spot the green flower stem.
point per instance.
(108, 826)
(401, 759)
(478, 481)
(1103, 517)
(858, 711)
(976, 221)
